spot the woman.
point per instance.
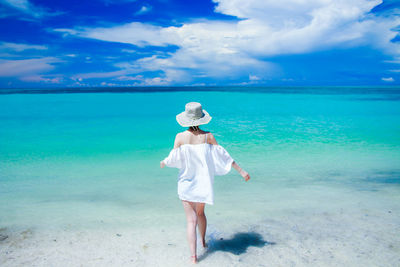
(199, 157)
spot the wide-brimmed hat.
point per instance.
(194, 115)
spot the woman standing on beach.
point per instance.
(198, 157)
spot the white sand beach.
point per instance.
(334, 233)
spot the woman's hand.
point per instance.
(242, 172)
(245, 175)
(162, 164)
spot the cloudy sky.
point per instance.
(58, 43)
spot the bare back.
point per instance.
(194, 138)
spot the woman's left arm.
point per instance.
(177, 143)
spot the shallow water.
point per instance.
(83, 168)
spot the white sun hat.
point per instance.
(194, 115)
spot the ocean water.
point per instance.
(83, 169)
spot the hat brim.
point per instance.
(184, 121)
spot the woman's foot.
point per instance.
(204, 243)
(193, 259)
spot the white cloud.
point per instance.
(130, 51)
(65, 32)
(270, 28)
(21, 47)
(157, 81)
(267, 28)
(388, 79)
(254, 78)
(137, 80)
(130, 78)
(41, 78)
(92, 75)
(109, 84)
(26, 67)
(395, 60)
(23, 5)
(28, 8)
(143, 10)
(136, 33)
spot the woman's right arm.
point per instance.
(211, 139)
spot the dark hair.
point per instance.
(194, 128)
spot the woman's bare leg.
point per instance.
(191, 219)
(202, 222)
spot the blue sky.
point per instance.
(195, 43)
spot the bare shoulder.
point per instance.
(178, 139)
(182, 134)
(211, 139)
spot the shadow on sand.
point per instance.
(237, 245)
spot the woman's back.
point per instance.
(194, 138)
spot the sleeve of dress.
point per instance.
(174, 159)
(221, 159)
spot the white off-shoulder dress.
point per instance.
(198, 164)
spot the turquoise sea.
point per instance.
(82, 168)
